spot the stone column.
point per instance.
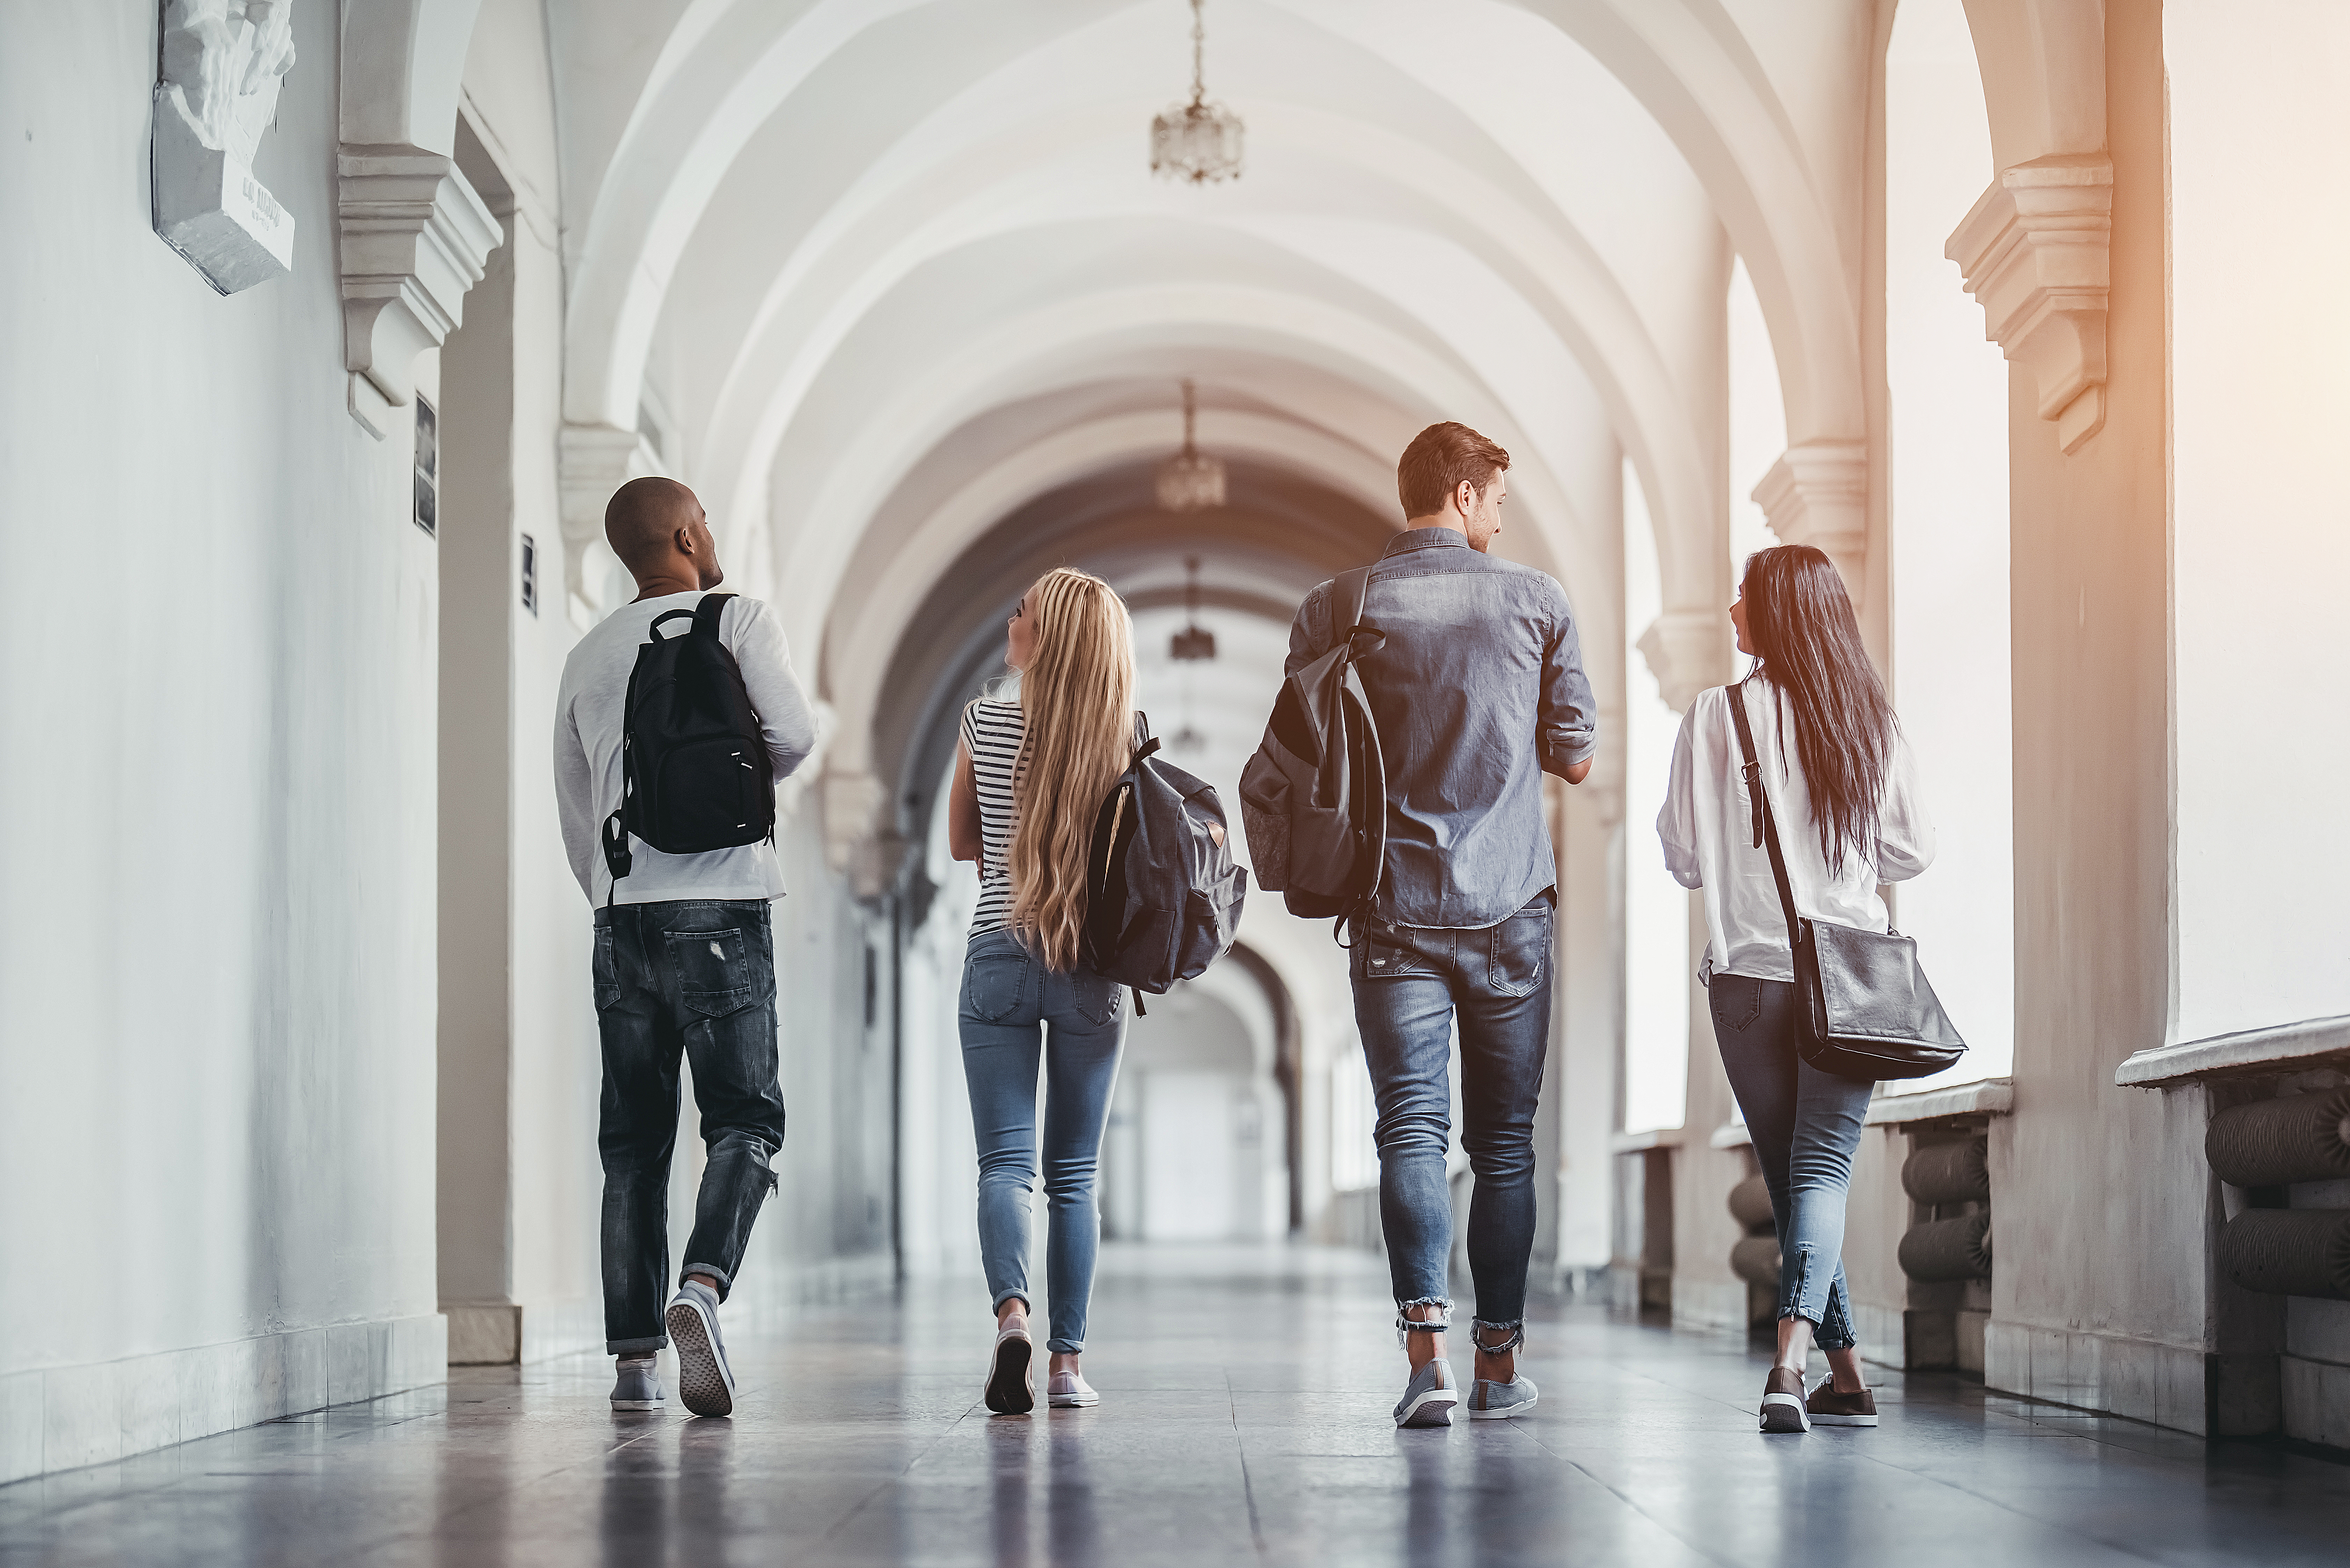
(1817, 494)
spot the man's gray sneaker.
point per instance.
(704, 1381)
(1427, 1399)
(1492, 1401)
(640, 1386)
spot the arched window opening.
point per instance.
(1950, 530)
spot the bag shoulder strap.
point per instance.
(707, 613)
(1346, 602)
(1766, 824)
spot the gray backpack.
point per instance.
(1314, 798)
(1162, 894)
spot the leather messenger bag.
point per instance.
(1868, 1010)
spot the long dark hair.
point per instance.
(1807, 641)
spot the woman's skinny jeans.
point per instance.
(1805, 1125)
(1013, 1008)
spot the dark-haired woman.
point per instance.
(1843, 792)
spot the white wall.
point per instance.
(2261, 528)
(216, 956)
(1950, 560)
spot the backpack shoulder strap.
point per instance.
(707, 613)
(1766, 826)
(1347, 592)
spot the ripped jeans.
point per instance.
(694, 977)
(1805, 1125)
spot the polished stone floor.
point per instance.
(1243, 1419)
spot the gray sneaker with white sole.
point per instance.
(704, 1381)
(1427, 1399)
(1492, 1401)
(639, 1386)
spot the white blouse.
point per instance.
(1708, 837)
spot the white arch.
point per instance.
(859, 666)
(1578, 298)
(1070, 340)
(403, 64)
(1689, 65)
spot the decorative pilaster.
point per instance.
(592, 461)
(1817, 494)
(860, 842)
(415, 238)
(1687, 650)
(2036, 252)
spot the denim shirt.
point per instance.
(1478, 691)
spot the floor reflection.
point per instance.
(1245, 1419)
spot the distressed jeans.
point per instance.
(1410, 982)
(1013, 1010)
(694, 977)
(1805, 1125)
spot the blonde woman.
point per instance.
(1030, 776)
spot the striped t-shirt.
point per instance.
(992, 733)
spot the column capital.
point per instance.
(1817, 494)
(592, 461)
(1687, 650)
(2037, 253)
(860, 842)
(415, 237)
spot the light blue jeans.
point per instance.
(1013, 1010)
(1805, 1125)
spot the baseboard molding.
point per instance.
(2167, 1384)
(63, 1418)
(500, 1333)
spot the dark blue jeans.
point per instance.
(1805, 1125)
(1410, 984)
(697, 979)
(1013, 1010)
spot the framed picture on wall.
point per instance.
(428, 467)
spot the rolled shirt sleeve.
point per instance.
(1904, 835)
(1676, 822)
(1566, 723)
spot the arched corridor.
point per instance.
(332, 328)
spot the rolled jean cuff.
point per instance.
(1059, 1346)
(1009, 1291)
(725, 1280)
(635, 1346)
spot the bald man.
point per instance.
(685, 964)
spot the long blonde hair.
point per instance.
(1076, 699)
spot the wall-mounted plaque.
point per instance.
(223, 62)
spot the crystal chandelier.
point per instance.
(1195, 643)
(1191, 481)
(1199, 142)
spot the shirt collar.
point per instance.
(1424, 539)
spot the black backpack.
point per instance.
(694, 770)
(1163, 895)
(1314, 798)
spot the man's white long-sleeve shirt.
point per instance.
(1707, 826)
(589, 717)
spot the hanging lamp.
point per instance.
(1195, 643)
(1191, 481)
(1196, 141)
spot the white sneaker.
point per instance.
(1070, 1391)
